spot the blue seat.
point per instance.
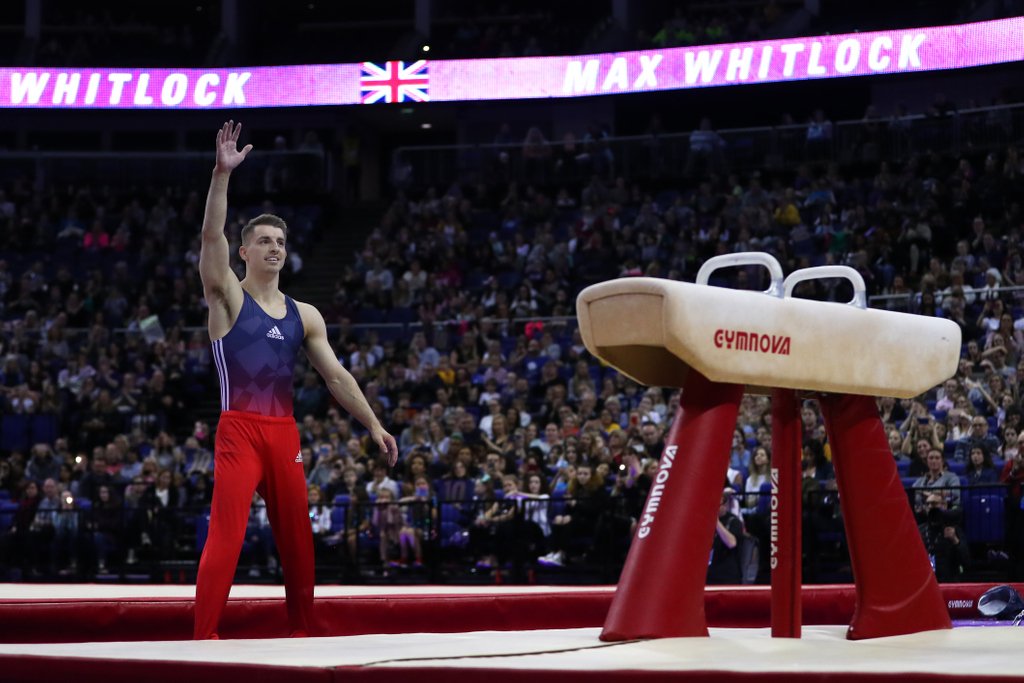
(392, 332)
(369, 315)
(44, 428)
(908, 481)
(509, 280)
(474, 279)
(985, 515)
(405, 314)
(14, 432)
(957, 467)
(454, 499)
(903, 467)
(488, 220)
(508, 345)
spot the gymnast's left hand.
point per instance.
(387, 445)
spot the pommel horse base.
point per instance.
(716, 343)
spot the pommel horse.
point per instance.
(715, 343)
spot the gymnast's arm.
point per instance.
(220, 286)
(341, 383)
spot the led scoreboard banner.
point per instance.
(769, 61)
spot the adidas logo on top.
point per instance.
(275, 333)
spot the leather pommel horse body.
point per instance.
(716, 343)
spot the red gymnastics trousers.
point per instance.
(256, 453)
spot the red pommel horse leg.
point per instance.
(661, 591)
(786, 515)
(896, 590)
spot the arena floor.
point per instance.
(495, 655)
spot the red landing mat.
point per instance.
(37, 613)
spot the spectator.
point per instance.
(760, 473)
(724, 566)
(943, 539)
(260, 540)
(387, 526)
(653, 442)
(381, 482)
(978, 436)
(158, 508)
(937, 477)
(320, 520)
(980, 469)
(43, 464)
(536, 155)
(68, 543)
(706, 146)
(585, 501)
(418, 519)
(97, 476)
(819, 136)
(106, 524)
(42, 532)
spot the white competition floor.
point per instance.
(455, 653)
(966, 652)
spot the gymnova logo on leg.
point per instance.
(654, 499)
(739, 340)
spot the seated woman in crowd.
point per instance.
(585, 501)
(980, 469)
(760, 473)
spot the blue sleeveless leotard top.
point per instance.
(255, 360)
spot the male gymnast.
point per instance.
(257, 331)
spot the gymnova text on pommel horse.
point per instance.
(716, 343)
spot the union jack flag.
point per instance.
(394, 82)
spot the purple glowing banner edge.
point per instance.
(771, 61)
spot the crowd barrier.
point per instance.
(165, 546)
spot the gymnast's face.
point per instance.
(265, 250)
